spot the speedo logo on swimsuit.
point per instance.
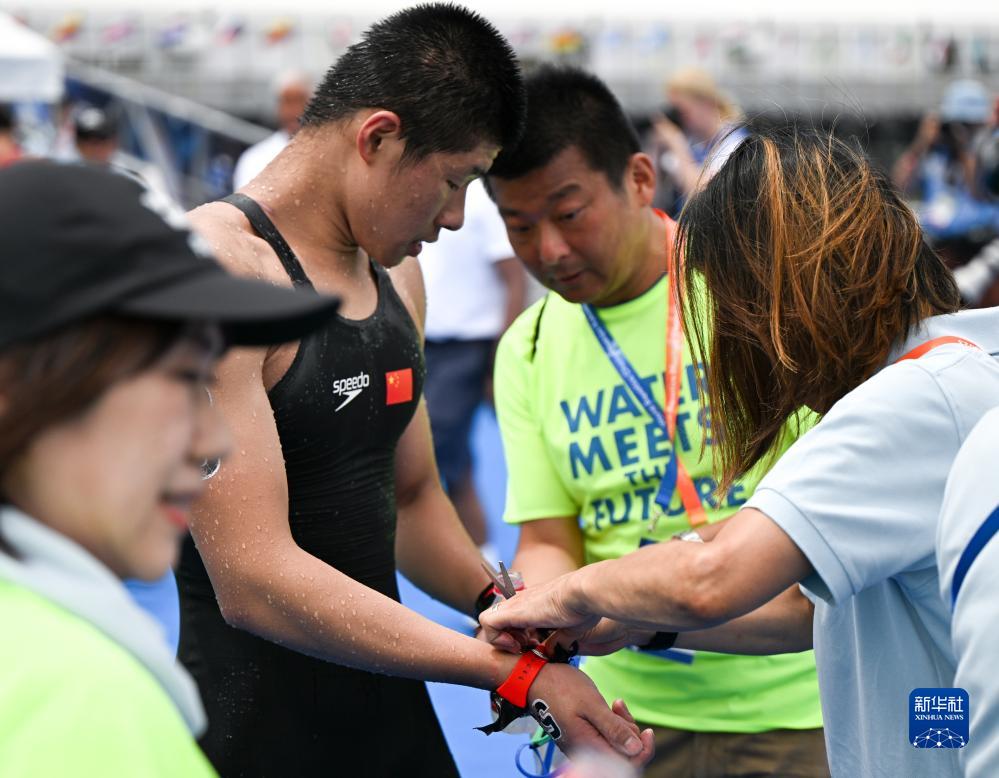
(349, 388)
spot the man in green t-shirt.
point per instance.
(584, 453)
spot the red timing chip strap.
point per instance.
(514, 688)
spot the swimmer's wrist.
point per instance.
(501, 664)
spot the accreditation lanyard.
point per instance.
(676, 477)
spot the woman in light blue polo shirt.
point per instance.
(822, 293)
(968, 558)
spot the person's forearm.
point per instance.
(783, 625)
(435, 552)
(674, 586)
(310, 607)
(540, 562)
(659, 587)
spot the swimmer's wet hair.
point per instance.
(451, 77)
(811, 268)
(568, 107)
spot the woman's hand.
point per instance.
(545, 606)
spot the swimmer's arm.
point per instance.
(267, 585)
(433, 549)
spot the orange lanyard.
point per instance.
(943, 340)
(674, 361)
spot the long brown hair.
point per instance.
(59, 376)
(810, 268)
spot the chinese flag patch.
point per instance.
(399, 386)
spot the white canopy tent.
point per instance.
(31, 68)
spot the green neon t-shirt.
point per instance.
(76, 703)
(578, 443)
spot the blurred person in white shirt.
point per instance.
(292, 91)
(475, 289)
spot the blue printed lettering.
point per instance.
(656, 474)
(598, 513)
(631, 475)
(573, 419)
(692, 372)
(706, 490)
(658, 442)
(704, 419)
(649, 383)
(736, 496)
(625, 510)
(646, 496)
(621, 402)
(625, 446)
(681, 429)
(576, 457)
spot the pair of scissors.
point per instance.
(503, 585)
(546, 646)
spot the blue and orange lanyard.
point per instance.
(675, 478)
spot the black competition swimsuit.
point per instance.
(340, 410)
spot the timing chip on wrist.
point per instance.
(510, 698)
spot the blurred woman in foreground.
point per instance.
(110, 326)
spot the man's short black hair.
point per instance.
(451, 77)
(569, 107)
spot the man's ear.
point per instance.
(640, 177)
(375, 131)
